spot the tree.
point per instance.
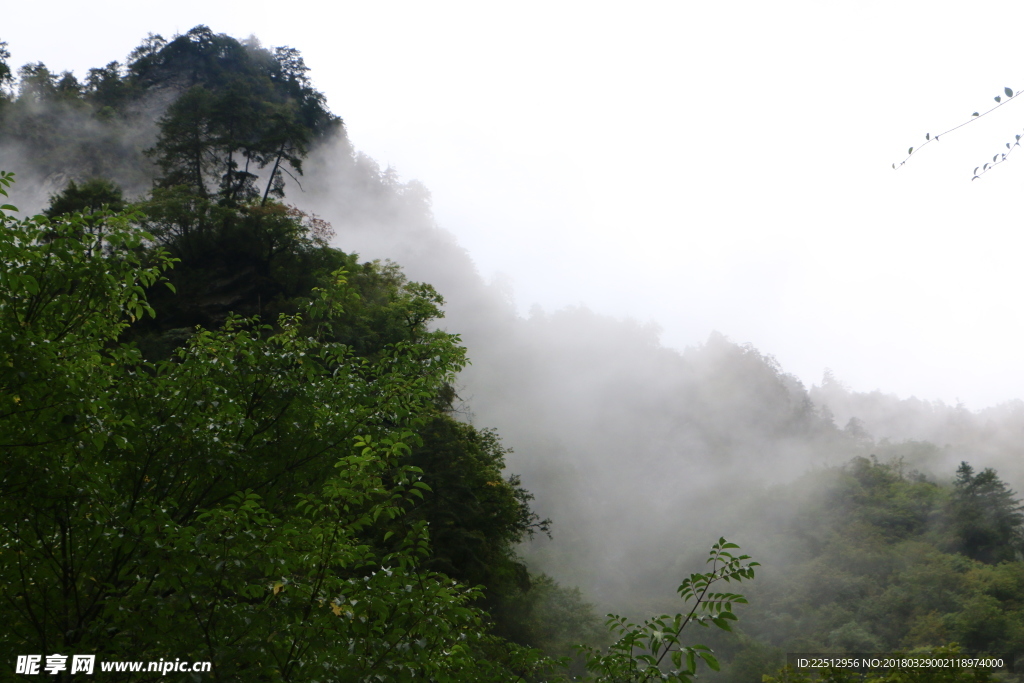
(6, 77)
(95, 195)
(241, 118)
(215, 503)
(247, 109)
(985, 517)
(641, 651)
(107, 88)
(477, 517)
(186, 149)
(258, 499)
(36, 82)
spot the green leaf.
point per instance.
(710, 660)
(910, 151)
(1008, 91)
(721, 623)
(998, 98)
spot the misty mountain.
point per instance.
(992, 435)
(640, 454)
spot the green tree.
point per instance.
(185, 150)
(93, 196)
(653, 651)
(216, 503)
(260, 498)
(241, 118)
(36, 82)
(247, 109)
(985, 516)
(6, 76)
(477, 516)
(106, 88)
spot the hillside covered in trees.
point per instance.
(228, 435)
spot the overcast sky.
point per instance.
(708, 166)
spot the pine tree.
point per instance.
(985, 516)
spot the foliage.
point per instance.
(1007, 95)
(881, 559)
(477, 516)
(6, 180)
(245, 109)
(94, 195)
(552, 618)
(985, 516)
(266, 260)
(261, 499)
(226, 110)
(243, 254)
(260, 493)
(6, 77)
(215, 503)
(640, 650)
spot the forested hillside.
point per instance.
(226, 311)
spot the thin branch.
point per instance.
(974, 117)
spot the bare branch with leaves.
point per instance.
(1001, 100)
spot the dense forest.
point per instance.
(233, 430)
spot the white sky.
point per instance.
(706, 165)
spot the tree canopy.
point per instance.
(212, 503)
(228, 438)
(235, 119)
(266, 498)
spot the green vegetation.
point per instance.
(879, 559)
(654, 651)
(216, 503)
(226, 438)
(250, 493)
(266, 497)
(229, 439)
(226, 111)
(262, 499)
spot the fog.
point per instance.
(702, 166)
(642, 454)
(612, 355)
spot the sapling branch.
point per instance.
(1001, 100)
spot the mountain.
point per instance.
(642, 455)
